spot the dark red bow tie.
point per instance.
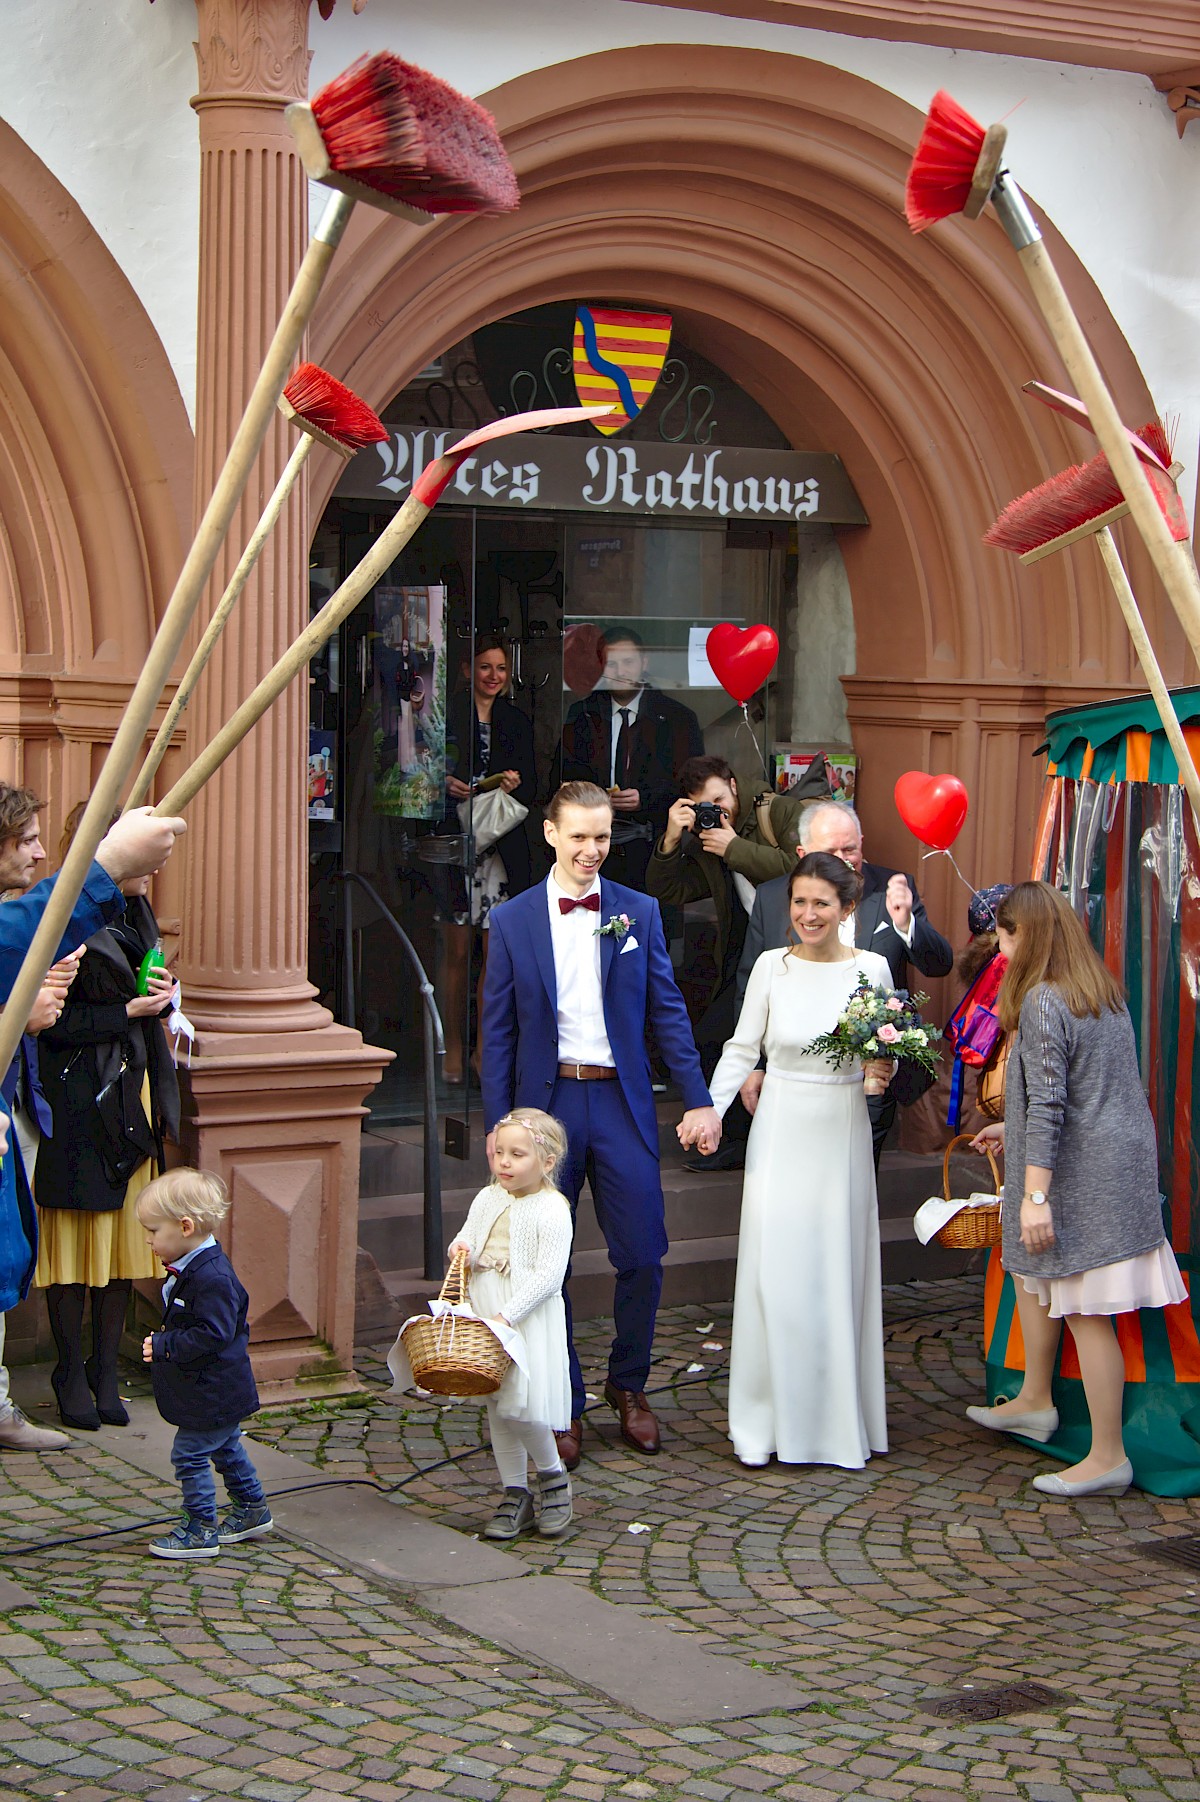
(171, 1269)
(591, 902)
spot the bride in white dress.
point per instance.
(806, 1378)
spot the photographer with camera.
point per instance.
(714, 849)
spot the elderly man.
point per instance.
(890, 919)
(136, 845)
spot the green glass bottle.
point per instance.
(153, 960)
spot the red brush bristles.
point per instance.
(939, 180)
(324, 402)
(1072, 498)
(406, 134)
(1159, 435)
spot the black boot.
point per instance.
(64, 1304)
(109, 1307)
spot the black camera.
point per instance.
(709, 817)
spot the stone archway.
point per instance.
(95, 482)
(760, 198)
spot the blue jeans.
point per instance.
(194, 1453)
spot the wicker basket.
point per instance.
(971, 1228)
(452, 1356)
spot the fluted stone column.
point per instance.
(275, 1089)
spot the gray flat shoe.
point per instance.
(1037, 1423)
(513, 1517)
(1113, 1482)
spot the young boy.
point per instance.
(200, 1365)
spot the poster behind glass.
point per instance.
(409, 700)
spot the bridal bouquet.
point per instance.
(880, 1023)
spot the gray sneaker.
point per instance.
(513, 1517)
(192, 1538)
(556, 1513)
(245, 1521)
(20, 1435)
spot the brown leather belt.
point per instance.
(588, 1072)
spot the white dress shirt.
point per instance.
(631, 707)
(582, 1035)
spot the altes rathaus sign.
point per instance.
(582, 475)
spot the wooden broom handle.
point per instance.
(216, 625)
(1127, 601)
(299, 654)
(177, 617)
(1176, 569)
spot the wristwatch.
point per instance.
(1038, 1197)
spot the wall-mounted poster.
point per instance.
(322, 784)
(409, 700)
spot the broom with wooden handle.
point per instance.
(1079, 503)
(956, 168)
(390, 134)
(327, 412)
(425, 493)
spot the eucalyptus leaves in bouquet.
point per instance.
(880, 1024)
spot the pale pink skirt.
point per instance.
(1151, 1280)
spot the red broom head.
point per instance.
(1070, 500)
(319, 400)
(939, 180)
(1159, 436)
(396, 129)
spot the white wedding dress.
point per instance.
(806, 1375)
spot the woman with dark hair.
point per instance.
(488, 739)
(806, 1380)
(110, 1082)
(1082, 1220)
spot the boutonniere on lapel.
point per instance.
(616, 927)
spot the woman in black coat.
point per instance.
(111, 1085)
(486, 736)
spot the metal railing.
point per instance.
(433, 1047)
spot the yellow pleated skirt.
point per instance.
(77, 1245)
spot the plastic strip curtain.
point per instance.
(1126, 853)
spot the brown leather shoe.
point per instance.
(570, 1444)
(638, 1425)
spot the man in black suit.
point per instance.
(632, 741)
(890, 919)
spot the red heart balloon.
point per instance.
(932, 807)
(742, 659)
(582, 657)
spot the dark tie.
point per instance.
(622, 765)
(591, 902)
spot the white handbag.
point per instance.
(488, 816)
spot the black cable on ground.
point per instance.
(163, 1520)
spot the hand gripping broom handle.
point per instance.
(216, 624)
(1176, 570)
(139, 712)
(299, 653)
(1127, 601)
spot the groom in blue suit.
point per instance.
(577, 970)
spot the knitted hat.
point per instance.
(985, 903)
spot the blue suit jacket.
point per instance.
(201, 1366)
(520, 1008)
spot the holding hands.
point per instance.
(700, 1126)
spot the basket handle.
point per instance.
(454, 1284)
(965, 1139)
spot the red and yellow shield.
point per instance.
(618, 358)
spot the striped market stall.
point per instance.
(1116, 833)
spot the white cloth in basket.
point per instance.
(933, 1214)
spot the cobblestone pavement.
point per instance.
(273, 1674)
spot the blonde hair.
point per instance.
(185, 1194)
(576, 794)
(548, 1134)
(1052, 946)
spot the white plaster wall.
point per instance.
(100, 91)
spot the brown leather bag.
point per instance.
(990, 1099)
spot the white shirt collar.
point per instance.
(555, 887)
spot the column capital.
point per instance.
(252, 52)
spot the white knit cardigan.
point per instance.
(540, 1230)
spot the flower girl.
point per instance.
(517, 1238)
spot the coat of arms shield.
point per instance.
(618, 358)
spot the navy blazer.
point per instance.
(665, 733)
(519, 1056)
(201, 1366)
(873, 929)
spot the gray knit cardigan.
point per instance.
(1073, 1103)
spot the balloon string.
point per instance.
(957, 871)
(745, 722)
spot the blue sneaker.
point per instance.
(248, 1520)
(192, 1538)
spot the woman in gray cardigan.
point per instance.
(1083, 1233)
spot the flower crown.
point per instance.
(539, 1138)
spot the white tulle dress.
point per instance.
(806, 1379)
